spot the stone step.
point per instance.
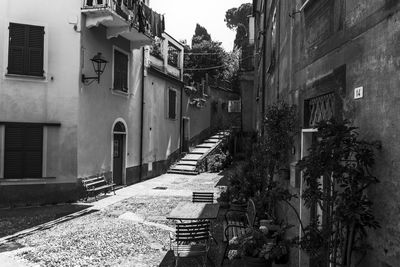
(200, 150)
(184, 168)
(192, 157)
(187, 162)
(183, 172)
(208, 146)
(211, 141)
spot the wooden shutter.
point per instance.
(33, 151)
(16, 49)
(25, 54)
(23, 151)
(120, 71)
(35, 50)
(171, 104)
(14, 152)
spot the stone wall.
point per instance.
(335, 47)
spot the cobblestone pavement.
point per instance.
(128, 229)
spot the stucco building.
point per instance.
(336, 59)
(56, 125)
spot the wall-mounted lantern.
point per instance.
(99, 64)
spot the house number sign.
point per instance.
(358, 92)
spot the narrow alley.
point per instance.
(126, 229)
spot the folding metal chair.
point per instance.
(192, 239)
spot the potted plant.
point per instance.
(223, 199)
(259, 247)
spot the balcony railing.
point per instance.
(129, 12)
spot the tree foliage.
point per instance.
(238, 15)
(206, 56)
(200, 34)
(237, 19)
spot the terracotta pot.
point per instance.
(255, 262)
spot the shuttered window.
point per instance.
(120, 71)
(25, 50)
(171, 104)
(23, 151)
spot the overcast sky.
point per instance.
(181, 17)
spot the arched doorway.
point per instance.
(118, 152)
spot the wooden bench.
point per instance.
(95, 185)
(236, 223)
(204, 197)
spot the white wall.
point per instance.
(161, 135)
(100, 107)
(55, 98)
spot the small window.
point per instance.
(25, 50)
(23, 151)
(234, 106)
(120, 71)
(171, 104)
(173, 55)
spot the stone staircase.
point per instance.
(190, 163)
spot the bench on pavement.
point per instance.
(236, 223)
(96, 185)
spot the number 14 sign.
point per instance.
(358, 92)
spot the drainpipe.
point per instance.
(142, 118)
(278, 46)
(264, 67)
(180, 120)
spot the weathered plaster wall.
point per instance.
(248, 96)
(199, 117)
(220, 117)
(161, 135)
(376, 68)
(55, 98)
(369, 51)
(361, 38)
(100, 106)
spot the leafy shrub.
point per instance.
(217, 162)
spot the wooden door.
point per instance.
(118, 158)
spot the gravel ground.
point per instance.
(104, 239)
(17, 219)
(93, 240)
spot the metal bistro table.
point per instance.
(194, 211)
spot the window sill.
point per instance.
(24, 181)
(25, 77)
(119, 92)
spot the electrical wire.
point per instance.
(215, 67)
(202, 54)
(208, 68)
